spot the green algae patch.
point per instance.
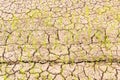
(34, 13)
(14, 23)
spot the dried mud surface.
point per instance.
(59, 39)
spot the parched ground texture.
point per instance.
(59, 39)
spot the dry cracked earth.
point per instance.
(59, 39)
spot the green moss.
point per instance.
(68, 38)
(44, 77)
(118, 18)
(34, 13)
(22, 71)
(5, 77)
(99, 36)
(106, 42)
(49, 77)
(110, 57)
(14, 23)
(59, 21)
(65, 59)
(48, 22)
(56, 43)
(87, 10)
